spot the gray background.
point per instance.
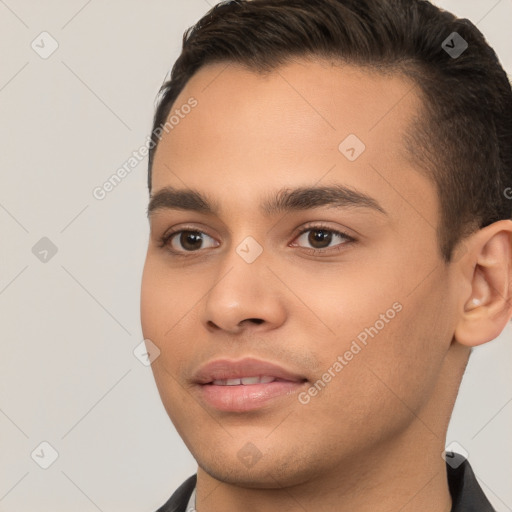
(68, 375)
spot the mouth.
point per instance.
(245, 385)
(246, 381)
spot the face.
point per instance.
(310, 269)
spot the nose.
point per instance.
(244, 296)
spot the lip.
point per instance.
(245, 397)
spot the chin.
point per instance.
(270, 471)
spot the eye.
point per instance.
(188, 241)
(320, 238)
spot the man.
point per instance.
(330, 237)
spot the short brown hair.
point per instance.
(463, 138)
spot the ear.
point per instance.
(485, 306)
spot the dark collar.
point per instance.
(467, 495)
(179, 500)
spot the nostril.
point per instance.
(256, 320)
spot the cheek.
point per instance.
(158, 316)
(342, 301)
(404, 360)
(160, 312)
(151, 303)
(169, 318)
(164, 299)
(387, 344)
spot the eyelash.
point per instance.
(164, 240)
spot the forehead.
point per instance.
(304, 122)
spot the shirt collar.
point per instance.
(191, 506)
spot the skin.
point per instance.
(372, 439)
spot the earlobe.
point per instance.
(485, 312)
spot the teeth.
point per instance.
(246, 381)
(250, 380)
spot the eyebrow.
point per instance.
(284, 200)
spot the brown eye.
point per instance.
(187, 240)
(190, 240)
(319, 238)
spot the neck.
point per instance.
(405, 475)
